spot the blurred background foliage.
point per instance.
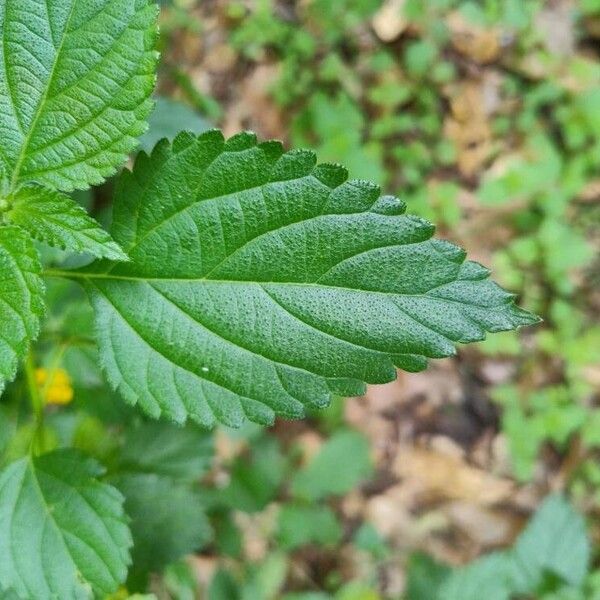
(476, 479)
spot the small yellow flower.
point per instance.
(55, 385)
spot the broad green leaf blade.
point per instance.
(424, 577)
(225, 586)
(159, 468)
(261, 284)
(332, 471)
(63, 533)
(58, 220)
(486, 578)
(256, 476)
(21, 298)
(555, 541)
(167, 519)
(184, 454)
(299, 525)
(9, 594)
(75, 81)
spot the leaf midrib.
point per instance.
(64, 532)
(134, 278)
(30, 469)
(44, 97)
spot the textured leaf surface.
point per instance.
(261, 283)
(159, 469)
(183, 453)
(167, 519)
(58, 220)
(75, 80)
(62, 532)
(21, 298)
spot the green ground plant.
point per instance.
(549, 560)
(240, 282)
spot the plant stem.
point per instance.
(37, 404)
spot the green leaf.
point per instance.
(223, 586)
(9, 594)
(425, 577)
(167, 519)
(21, 298)
(158, 467)
(338, 125)
(62, 532)
(554, 541)
(553, 545)
(181, 581)
(182, 453)
(486, 578)
(301, 525)
(340, 466)
(75, 80)
(369, 540)
(58, 220)
(256, 477)
(271, 576)
(261, 284)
